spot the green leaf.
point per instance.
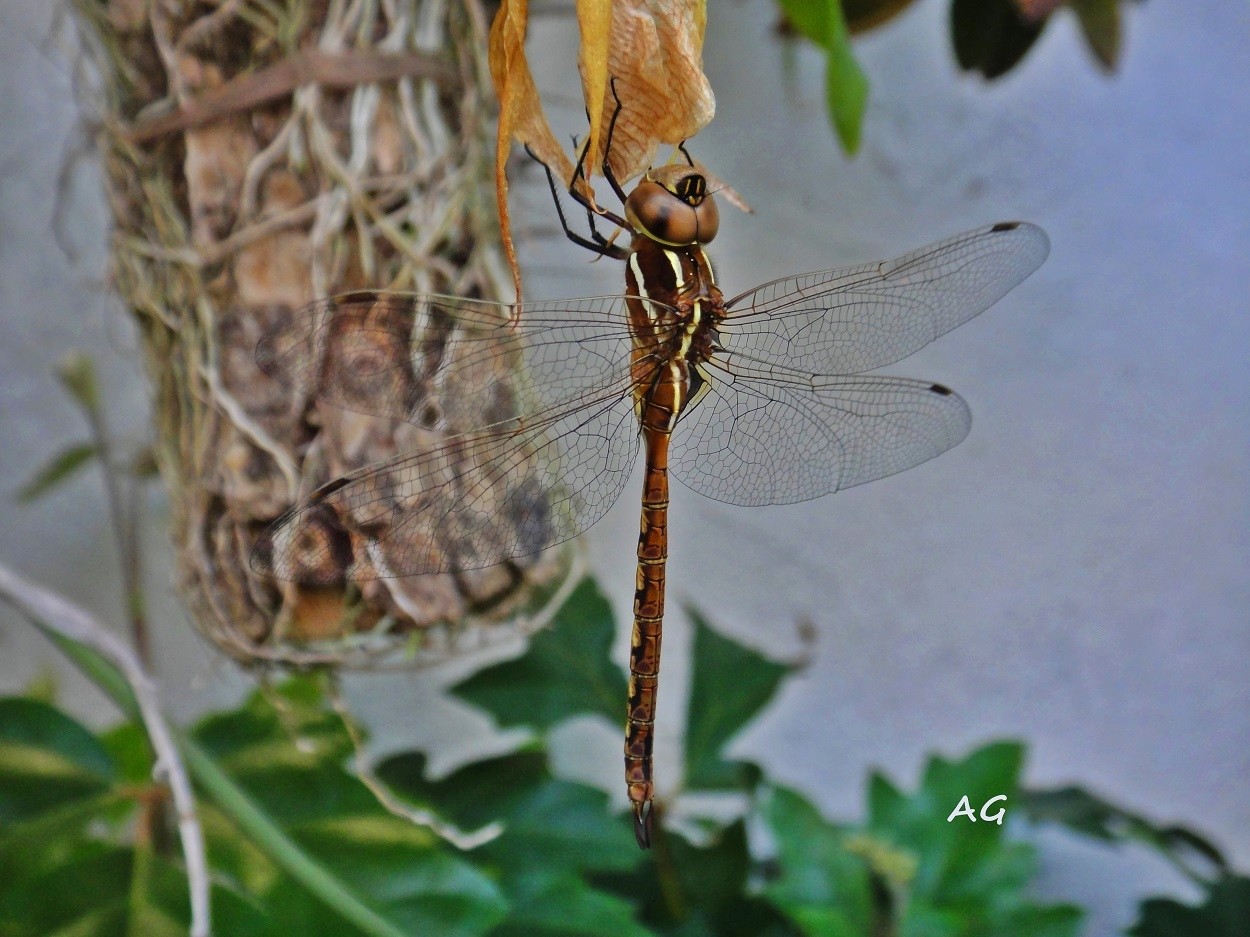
(46, 760)
(969, 879)
(283, 728)
(1030, 920)
(952, 855)
(76, 372)
(280, 777)
(566, 672)
(90, 886)
(128, 746)
(990, 35)
(43, 686)
(1100, 22)
(810, 18)
(1090, 815)
(474, 795)
(422, 887)
(60, 468)
(822, 887)
(107, 890)
(313, 849)
(700, 890)
(564, 824)
(730, 685)
(563, 905)
(846, 86)
(1225, 913)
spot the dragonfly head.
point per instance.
(671, 205)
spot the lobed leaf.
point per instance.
(1224, 913)
(730, 685)
(818, 883)
(47, 761)
(567, 671)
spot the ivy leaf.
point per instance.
(990, 35)
(820, 885)
(562, 904)
(967, 874)
(57, 470)
(1090, 815)
(566, 672)
(290, 762)
(846, 86)
(47, 761)
(951, 854)
(1223, 914)
(713, 882)
(730, 685)
(474, 795)
(564, 824)
(393, 863)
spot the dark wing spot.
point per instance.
(1006, 226)
(940, 389)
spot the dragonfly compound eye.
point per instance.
(664, 215)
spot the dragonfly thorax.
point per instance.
(671, 206)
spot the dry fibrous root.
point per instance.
(259, 156)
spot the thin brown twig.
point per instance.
(53, 612)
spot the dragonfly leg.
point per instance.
(580, 172)
(600, 245)
(607, 148)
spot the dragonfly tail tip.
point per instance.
(642, 824)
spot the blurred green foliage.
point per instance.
(80, 856)
(988, 36)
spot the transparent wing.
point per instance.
(447, 362)
(860, 318)
(792, 438)
(466, 503)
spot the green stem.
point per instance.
(235, 802)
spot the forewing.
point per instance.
(856, 319)
(466, 503)
(755, 442)
(448, 363)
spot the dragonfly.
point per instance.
(759, 399)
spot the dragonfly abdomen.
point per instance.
(673, 307)
(644, 656)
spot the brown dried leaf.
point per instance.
(648, 55)
(520, 114)
(594, 20)
(655, 65)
